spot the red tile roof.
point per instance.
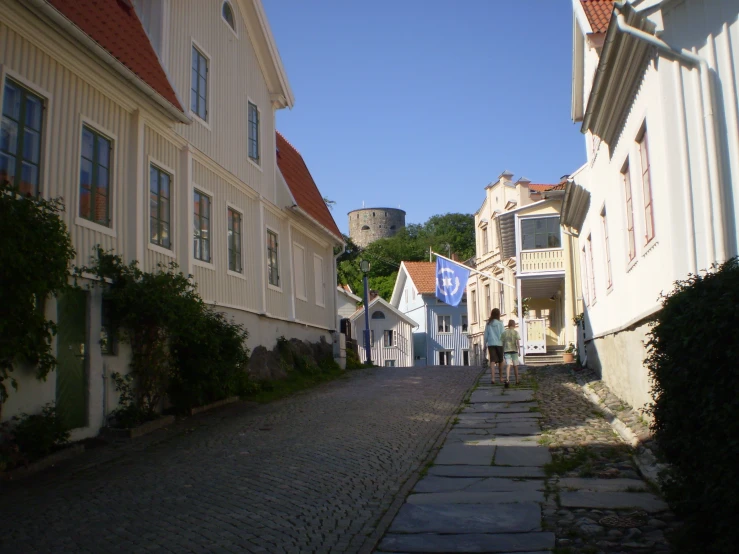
(302, 186)
(599, 13)
(540, 187)
(117, 29)
(423, 275)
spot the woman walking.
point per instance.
(493, 332)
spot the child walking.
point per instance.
(493, 331)
(511, 341)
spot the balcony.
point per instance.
(542, 261)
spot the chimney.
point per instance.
(505, 177)
(455, 257)
(373, 294)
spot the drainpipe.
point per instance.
(717, 244)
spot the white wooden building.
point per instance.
(156, 125)
(391, 334)
(655, 91)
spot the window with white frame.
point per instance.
(465, 357)
(378, 314)
(301, 290)
(95, 165)
(646, 188)
(234, 241)
(444, 323)
(585, 277)
(253, 132)
(539, 233)
(20, 137)
(445, 357)
(591, 268)
(389, 363)
(387, 338)
(488, 300)
(273, 259)
(319, 282)
(227, 12)
(473, 295)
(464, 324)
(485, 244)
(201, 226)
(631, 238)
(607, 245)
(160, 207)
(199, 84)
(372, 337)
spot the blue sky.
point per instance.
(421, 103)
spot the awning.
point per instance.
(622, 64)
(575, 205)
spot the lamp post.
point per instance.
(364, 265)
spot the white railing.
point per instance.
(537, 261)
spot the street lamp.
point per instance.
(364, 265)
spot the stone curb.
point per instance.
(49, 461)
(644, 459)
(141, 430)
(384, 524)
(213, 405)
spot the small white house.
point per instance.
(346, 303)
(391, 334)
(441, 335)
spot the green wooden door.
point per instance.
(71, 378)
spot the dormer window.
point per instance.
(228, 15)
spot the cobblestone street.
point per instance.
(310, 473)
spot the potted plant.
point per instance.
(569, 354)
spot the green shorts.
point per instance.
(511, 358)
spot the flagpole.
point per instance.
(484, 274)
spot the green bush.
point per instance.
(30, 437)
(212, 358)
(693, 353)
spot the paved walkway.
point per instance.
(494, 487)
(311, 473)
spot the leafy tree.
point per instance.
(35, 256)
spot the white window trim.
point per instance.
(521, 218)
(112, 183)
(172, 208)
(449, 332)
(200, 263)
(461, 325)
(208, 83)
(243, 267)
(323, 285)
(5, 71)
(305, 280)
(393, 338)
(233, 11)
(259, 138)
(630, 263)
(280, 276)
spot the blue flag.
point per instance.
(451, 281)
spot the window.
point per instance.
(378, 315)
(464, 323)
(629, 212)
(20, 138)
(228, 15)
(609, 275)
(646, 189)
(406, 296)
(108, 333)
(387, 339)
(474, 306)
(273, 260)
(301, 290)
(502, 298)
(365, 227)
(585, 277)
(540, 233)
(591, 269)
(445, 357)
(389, 363)
(95, 177)
(485, 248)
(465, 357)
(201, 226)
(464, 299)
(199, 85)
(234, 241)
(444, 323)
(253, 132)
(372, 337)
(320, 285)
(159, 207)
(488, 305)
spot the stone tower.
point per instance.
(369, 224)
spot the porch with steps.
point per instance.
(552, 356)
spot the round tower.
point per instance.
(369, 224)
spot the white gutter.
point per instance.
(62, 21)
(717, 242)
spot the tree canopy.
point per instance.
(451, 233)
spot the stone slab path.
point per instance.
(494, 486)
